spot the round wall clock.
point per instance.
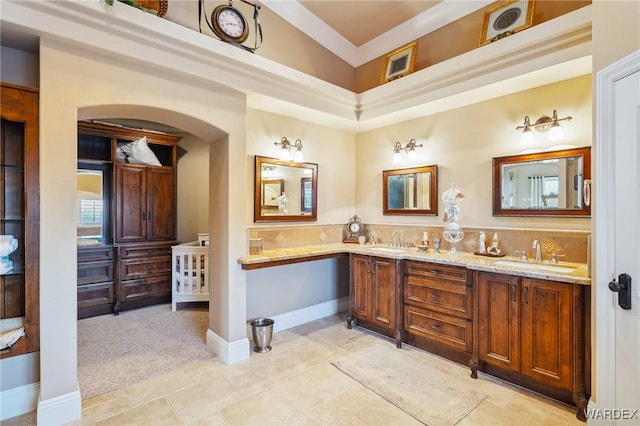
(229, 24)
(354, 229)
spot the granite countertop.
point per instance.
(563, 271)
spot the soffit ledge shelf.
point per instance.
(126, 33)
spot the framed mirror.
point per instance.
(285, 191)
(555, 183)
(410, 191)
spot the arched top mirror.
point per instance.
(410, 191)
(554, 184)
(285, 191)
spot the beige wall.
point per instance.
(332, 150)
(462, 142)
(457, 38)
(76, 84)
(282, 42)
(193, 188)
(616, 32)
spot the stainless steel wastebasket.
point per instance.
(262, 330)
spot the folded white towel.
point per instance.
(9, 338)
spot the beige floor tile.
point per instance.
(381, 412)
(203, 399)
(342, 407)
(21, 420)
(488, 413)
(535, 406)
(101, 399)
(157, 387)
(296, 384)
(281, 404)
(154, 413)
(109, 408)
(215, 419)
(85, 420)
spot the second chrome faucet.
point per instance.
(536, 247)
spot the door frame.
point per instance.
(603, 321)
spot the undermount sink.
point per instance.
(387, 249)
(543, 267)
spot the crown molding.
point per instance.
(549, 52)
(428, 21)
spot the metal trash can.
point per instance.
(262, 330)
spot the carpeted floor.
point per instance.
(420, 390)
(115, 351)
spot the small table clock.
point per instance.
(354, 229)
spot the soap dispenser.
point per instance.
(425, 239)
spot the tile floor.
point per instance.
(295, 384)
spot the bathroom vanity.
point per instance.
(524, 322)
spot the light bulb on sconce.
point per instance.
(542, 124)
(526, 138)
(285, 154)
(410, 151)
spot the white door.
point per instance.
(618, 243)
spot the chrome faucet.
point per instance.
(395, 239)
(536, 247)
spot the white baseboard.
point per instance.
(61, 409)
(308, 314)
(240, 350)
(20, 400)
(228, 352)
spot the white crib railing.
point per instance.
(190, 266)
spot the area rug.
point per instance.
(115, 351)
(410, 383)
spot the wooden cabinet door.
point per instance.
(546, 331)
(161, 189)
(498, 322)
(383, 302)
(131, 200)
(360, 288)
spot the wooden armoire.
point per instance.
(126, 232)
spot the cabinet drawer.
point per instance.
(95, 294)
(92, 254)
(453, 299)
(444, 329)
(145, 251)
(144, 267)
(454, 274)
(143, 288)
(95, 272)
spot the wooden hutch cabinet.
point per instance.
(19, 216)
(375, 288)
(131, 266)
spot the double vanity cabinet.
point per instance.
(527, 323)
(530, 331)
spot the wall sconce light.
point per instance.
(285, 150)
(542, 124)
(410, 149)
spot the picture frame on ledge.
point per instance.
(505, 19)
(399, 63)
